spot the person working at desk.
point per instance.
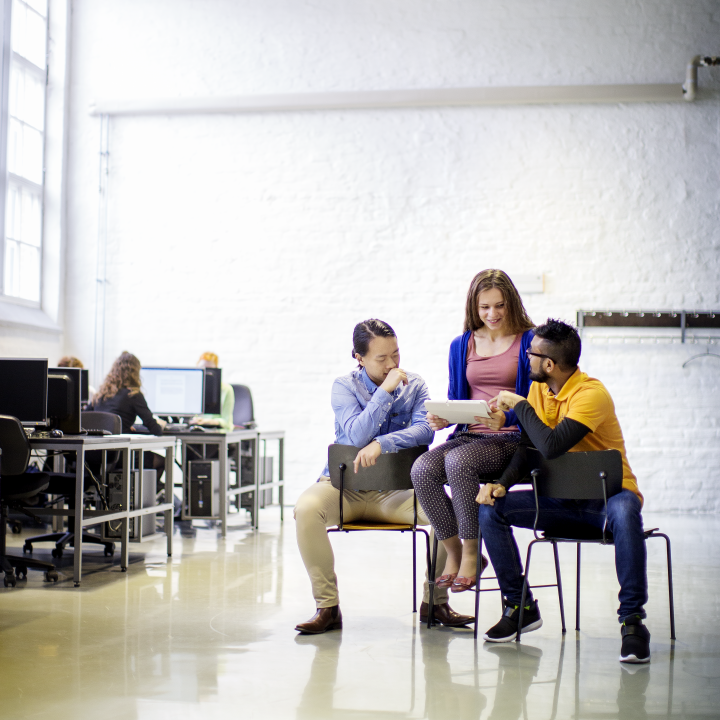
(224, 420)
(380, 408)
(72, 362)
(120, 394)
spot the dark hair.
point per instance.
(565, 342)
(124, 373)
(69, 361)
(517, 318)
(365, 331)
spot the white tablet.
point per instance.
(458, 411)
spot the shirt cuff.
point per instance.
(386, 444)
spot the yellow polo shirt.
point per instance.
(587, 401)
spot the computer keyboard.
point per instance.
(176, 427)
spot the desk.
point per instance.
(126, 445)
(227, 443)
(263, 482)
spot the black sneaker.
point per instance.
(506, 629)
(635, 641)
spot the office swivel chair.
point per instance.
(18, 488)
(64, 484)
(243, 416)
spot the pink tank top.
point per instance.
(487, 376)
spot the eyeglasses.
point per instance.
(527, 352)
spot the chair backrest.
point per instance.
(243, 410)
(390, 472)
(577, 475)
(14, 445)
(94, 420)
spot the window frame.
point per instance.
(7, 58)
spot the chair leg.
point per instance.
(431, 584)
(478, 569)
(670, 582)
(524, 591)
(577, 591)
(414, 572)
(558, 579)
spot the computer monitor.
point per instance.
(213, 400)
(84, 386)
(64, 403)
(23, 390)
(173, 392)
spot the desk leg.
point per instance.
(125, 525)
(79, 498)
(281, 477)
(256, 472)
(224, 484)
(169, 514)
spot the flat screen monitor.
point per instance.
(23, 390)
(213, 378)
(64, 403)
(174, 392)
(85, 386)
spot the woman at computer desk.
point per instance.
(223, 420)
(488, 357)
(120, 394)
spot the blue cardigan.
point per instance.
(458, 388)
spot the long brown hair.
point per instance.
(517, 318)
(124, 373)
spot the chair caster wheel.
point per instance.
(109, 550)
(10, 580)
(76, 584)
(123, 569)
(21, 572)
(51, 576)
(57, 552)
(16, 527)
(27, 547)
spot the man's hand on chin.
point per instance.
(489, 492)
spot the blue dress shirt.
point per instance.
(365, 412)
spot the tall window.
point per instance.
(22, 256)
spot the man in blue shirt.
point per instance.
(379, 408)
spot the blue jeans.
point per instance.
(624, 522)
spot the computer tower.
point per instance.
(246, 478)
(114, 497)
(204, 483)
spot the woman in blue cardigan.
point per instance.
(488, 357)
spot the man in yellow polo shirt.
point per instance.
(565, 411)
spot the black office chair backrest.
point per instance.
(14, 445)
(243, 411)
(390, 472)
(94, 420)
(577, 475)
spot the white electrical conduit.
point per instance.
(438, 97)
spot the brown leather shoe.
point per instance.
(445, 615)
(324, 619)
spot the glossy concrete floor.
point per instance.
(209, 634)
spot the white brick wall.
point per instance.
(267, 237)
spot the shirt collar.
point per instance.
(369, 384)
(567, 388)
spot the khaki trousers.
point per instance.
(318, 508)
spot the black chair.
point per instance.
(63, 484)
(390, 472)
(17, 489)
(243, 415)
(491, 477)
(579, 476)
